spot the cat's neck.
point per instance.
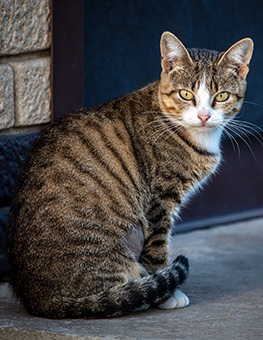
(208, 140)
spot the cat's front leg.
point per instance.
(155, 251)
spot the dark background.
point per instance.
(122, 42)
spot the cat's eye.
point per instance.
(186, 95)
(222, 97)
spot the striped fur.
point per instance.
(90, 219)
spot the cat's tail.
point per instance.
(132, 296)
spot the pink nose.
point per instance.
(203, 117)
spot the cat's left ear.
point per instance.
(239, 55)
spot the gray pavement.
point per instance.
(225, 287)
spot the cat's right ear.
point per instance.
(173, 52)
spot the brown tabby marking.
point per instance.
(90, 220)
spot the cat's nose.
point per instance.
(204, 117)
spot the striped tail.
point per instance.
(132, 296)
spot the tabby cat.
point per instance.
(90, 219)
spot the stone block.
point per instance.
(25, 26)
(32, 91)
(6, 97)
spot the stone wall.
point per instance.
(25, 90)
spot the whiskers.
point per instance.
(252, 103)
(242, 130)
(164, 125)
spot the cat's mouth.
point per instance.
(206, 125)
(202, 127)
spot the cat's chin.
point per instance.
(203, 128)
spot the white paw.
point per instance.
(178, 300)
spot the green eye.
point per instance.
(222, 97)
(186, 95)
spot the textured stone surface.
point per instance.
(32, 91)
(225, 287)
(25, 26)
(6, 97)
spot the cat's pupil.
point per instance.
(221, 97)
(187, 95)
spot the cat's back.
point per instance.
(107, 127)
(86, 151)
(76, 161)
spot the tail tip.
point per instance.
(182, 260)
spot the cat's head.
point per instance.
(202, 89)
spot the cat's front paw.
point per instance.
(178, 300)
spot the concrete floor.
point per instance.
(225, 287)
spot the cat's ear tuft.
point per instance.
(173, 52)
(239, 55)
